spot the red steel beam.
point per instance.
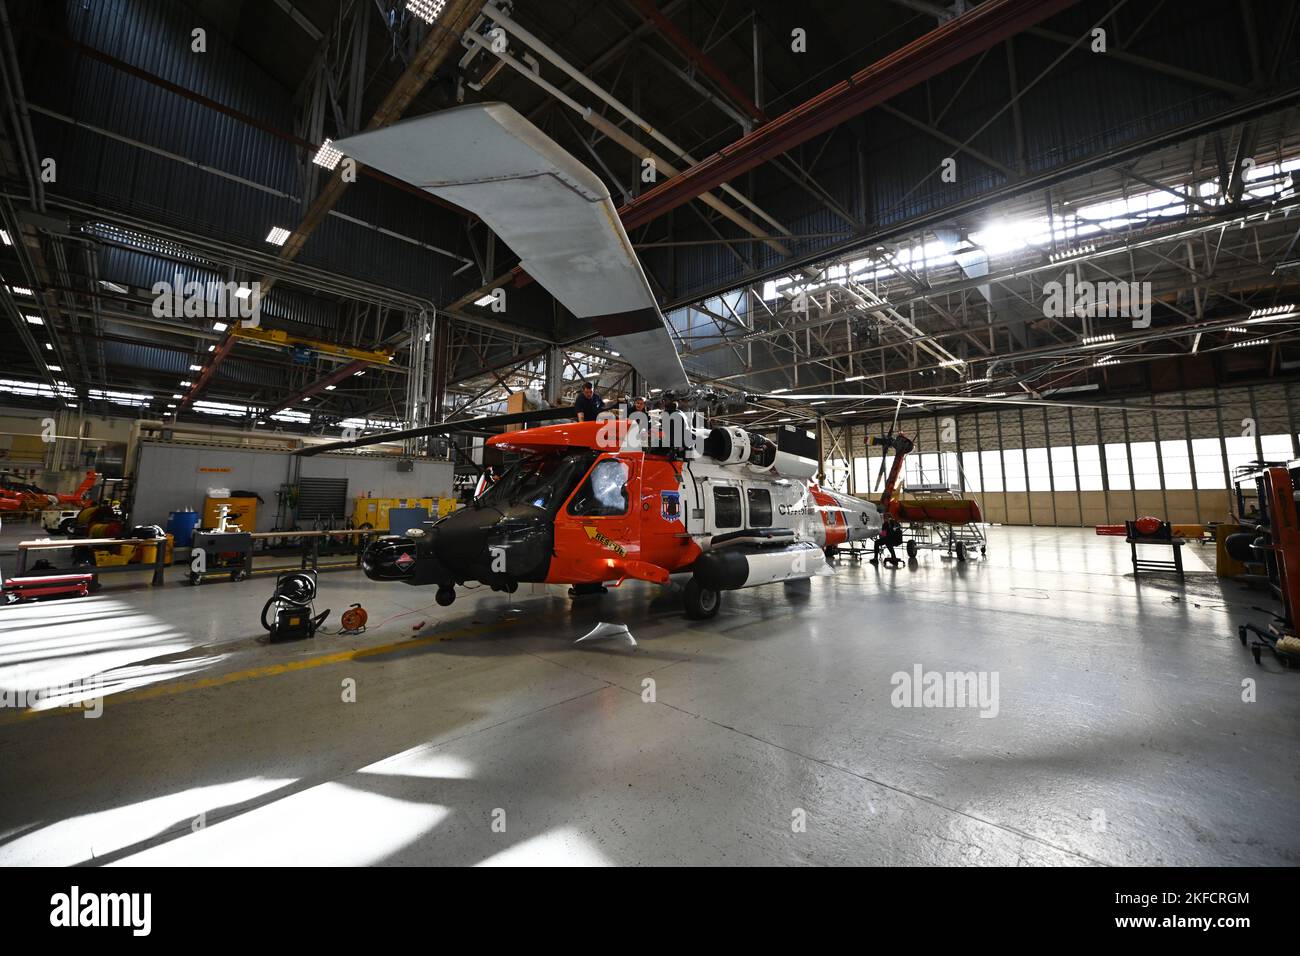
(340, 374)
(697, 56)
(927, 56)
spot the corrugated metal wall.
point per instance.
(154, 35)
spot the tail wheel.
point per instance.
(961, 551)
(911, 549)
(701, 603)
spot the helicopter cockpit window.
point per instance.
(543, 481)
(604, 494)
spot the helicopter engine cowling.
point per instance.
(732, 445)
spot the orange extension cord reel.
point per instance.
(354, 619)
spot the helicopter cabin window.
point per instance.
(726, 506)
(604, 493)
(760, 507)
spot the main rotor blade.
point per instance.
(552, 211)
(483, 422)
(977, 400)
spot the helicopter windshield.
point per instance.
(543, 481)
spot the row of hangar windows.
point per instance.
(1179, 464)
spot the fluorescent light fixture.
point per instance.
(176, 396)
(196, 368)
(4, 237)
(1086, 249)
(243, 292)
(34, 319)
(329, 388)
(778, 391)
(219, 326)
(55, 368)
(996, 395)
(1236, 328)
(277, 236)
(426, 10)
(306, 399)
(1235, 345)
(171, 404)
(1271, 310)
(212, 348)
(484, 300)
(951, 363)
(816, 403)
(49, 347)
(656, 390)
(114, 287)
(139, 240)
(1105, 360)
(186, 384)
(1098, 339)
(327, 155)
(21, 290)
(358, 374)
(855, 378)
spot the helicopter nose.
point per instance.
(493, 545)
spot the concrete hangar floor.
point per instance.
(1119, 730)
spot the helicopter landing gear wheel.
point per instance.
(445, 596)
(961, 551)
(701, 603)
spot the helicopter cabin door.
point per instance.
(724, 506)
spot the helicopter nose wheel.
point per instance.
(445, 596)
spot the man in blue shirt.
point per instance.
(589, 404)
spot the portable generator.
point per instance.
(289, 613)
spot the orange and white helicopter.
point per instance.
(651, 497)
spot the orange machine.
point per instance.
(1275, 542)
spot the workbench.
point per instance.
(159, 562)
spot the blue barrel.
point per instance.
(181, 525)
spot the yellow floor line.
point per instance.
(269, 670)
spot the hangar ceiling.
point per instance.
(912, 245)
